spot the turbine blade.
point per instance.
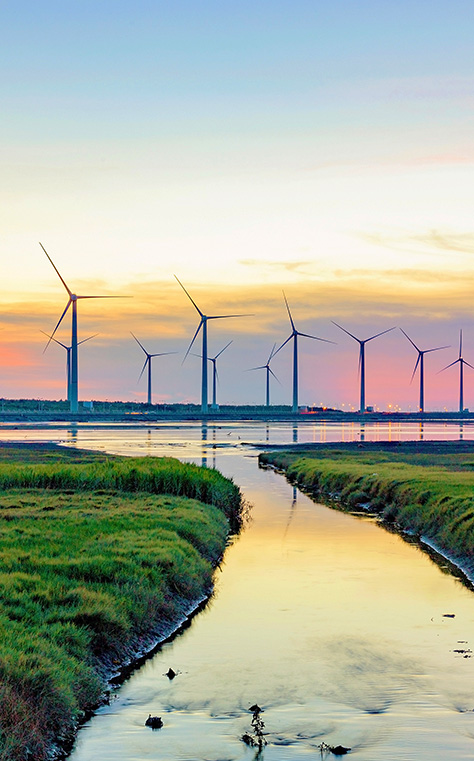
(143, 368)
(272, 373)
(289, 313)
(260, 367)
(55, 340)
(306, 335)
(271, 353)
(283, 344)
(57, 271)
(189, 297)
(416, 366)
(379, 334)
(222, 350)
(412, 342)
(104, 297)
(194, 338)
(224, 316)
(87, 339)
(346, 331)
(51, 338)
(450, 365)
(138, 342)
(163, 353)
(460, 343)
(467, 363)
(217, 375)
(427, 351)
(359, 368)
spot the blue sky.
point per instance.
(324, 148)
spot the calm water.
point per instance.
(335, 626)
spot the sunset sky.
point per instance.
(323, 148)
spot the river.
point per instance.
(342, 631)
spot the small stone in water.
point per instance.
(154, 722)
(170, 673)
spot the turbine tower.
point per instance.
(215, 375)
(462, 362)
(203, 325)
(420, 362)
(68, 358)
(148, 362)
(269, 372)
(362, 359)
(294, 336)
(73, 299)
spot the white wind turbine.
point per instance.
(462, 362)
(148, 359)
(294, 336)
(269, 372)
(68, 358)
(203, 325)
(72, 302)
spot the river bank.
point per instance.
(101, 557)
(424, 489)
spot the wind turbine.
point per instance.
(73, 299)
(268, 373)
(203, 325)
(420, 361)
(462, 362)
(294, 335)
(215, 375)
(362, 359)
(68, 358)
(148, 362)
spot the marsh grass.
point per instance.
(94, 558)
(429, 494)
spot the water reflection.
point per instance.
(335, 626)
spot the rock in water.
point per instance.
(170, 673)
(154, 722)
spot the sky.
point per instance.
(323, 149)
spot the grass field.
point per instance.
(423, 488)
(95, 558)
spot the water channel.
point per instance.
(342, 631)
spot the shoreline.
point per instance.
(459, 565)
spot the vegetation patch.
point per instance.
(427, 490)
(96, 560)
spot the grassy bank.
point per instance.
(423, 488)
(97, 560)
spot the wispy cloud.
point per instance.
(424, 242)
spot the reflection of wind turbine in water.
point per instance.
(72, 302)
(204, 445)
(203, 325)
(462, 362)
(362, 358)
(68, 358)
(215, 374)
(421, 363)
(294, 336)
(269, 372)
(148, 359)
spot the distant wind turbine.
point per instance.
(294, 336)
(68, 358)
(203, 325)
(362, 359)
(269, 372)
(462, 362)
(420, 362)
(215, 374)
(73, 299)
(148, 359)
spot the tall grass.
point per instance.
(95, 562)
(434, 499)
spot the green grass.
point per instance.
(94, 558)
(427, 491)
